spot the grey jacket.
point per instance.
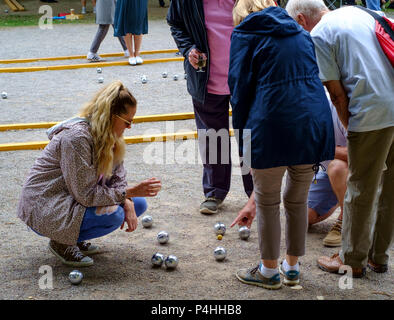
(63, 182)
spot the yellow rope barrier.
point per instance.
(104, 55)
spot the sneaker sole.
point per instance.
(90, 253)
(286, 281)
(265, 286)
(332, 244)
(70, 263)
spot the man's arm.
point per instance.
(181, 37)
(340, 100)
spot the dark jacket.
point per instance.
(277, 93)
(187, 25)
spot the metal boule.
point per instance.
(163, 237)
(171, 262)
(75, 277)
(220, 228)
(147, 221)
(220, 253)
(157, 259)
(244, 233)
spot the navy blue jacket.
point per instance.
(277, 94)
(187, 24)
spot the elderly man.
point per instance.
(360, 80)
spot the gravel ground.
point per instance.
(123, 270)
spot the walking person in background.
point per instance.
(290, 132)
(104, 18)
(83, 3)
(202, 31)
(131, 21)
(77, 188)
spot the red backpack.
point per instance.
(384, 30)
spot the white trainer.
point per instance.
(132, 61)
(139, 60)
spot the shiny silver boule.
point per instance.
(6, 10)
(163, 237)
(164, 74)
(220, 228)
(220, 253)
(157, 259)
(176, 77)
(75, 277)
(171, 262)
(99, 70)
(144, 79)
(4, 95)
(244, 233)
(100, 80)
(147, 221)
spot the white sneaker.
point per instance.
(83, 10)
(132, 61)
(126, 53)
(94, 57)
(139, 60)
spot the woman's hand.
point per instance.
(130, 216)
(146, 188)
(247, 214)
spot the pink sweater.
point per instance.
(219, 25)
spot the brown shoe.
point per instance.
(334, 263)
(378, 268)
(69, 255)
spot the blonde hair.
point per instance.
(243, 8)
(109, 150)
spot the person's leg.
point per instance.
(367, 154)
(267, 188)
(322, 201)
(137, 44)
(295, 203)
(213, 115)
(83, 3)
(129, 44)
(384, 232)
(99, 221)
(338, 172)
(122, 43)
(99, 37)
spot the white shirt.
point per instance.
(347, 49)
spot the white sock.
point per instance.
(286, 267)
(267, 272)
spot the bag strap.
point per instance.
(381, 20)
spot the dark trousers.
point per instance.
(214, 114)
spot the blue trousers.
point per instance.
(213, 114)
(97, 225)
(373, 5)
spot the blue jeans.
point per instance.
(373, 5)
(97, 225)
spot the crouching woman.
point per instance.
(77, 188)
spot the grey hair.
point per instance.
(309, 8)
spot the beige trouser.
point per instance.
(267, 188)
(367, 232)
